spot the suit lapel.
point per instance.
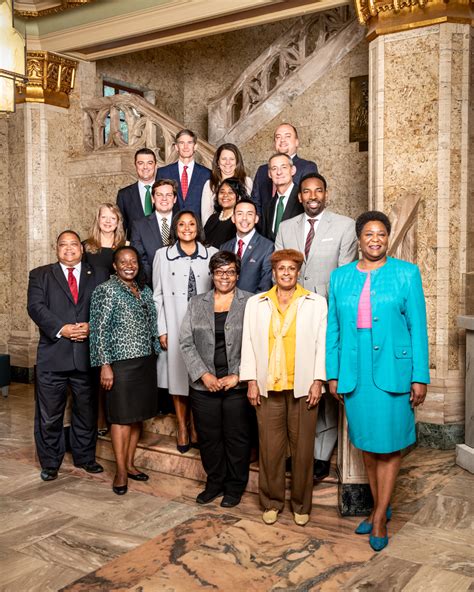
(155, 231)
(137, 199)
(86, 274)
(290, 204)
(300, 233)
(321, 232)
(61, 279)
(208, 302)
(250, 248)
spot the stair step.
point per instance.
(157, 452)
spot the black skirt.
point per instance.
(134, 395)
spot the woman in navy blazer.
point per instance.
(377, 359)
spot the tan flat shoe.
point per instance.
(270, 516)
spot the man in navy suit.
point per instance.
(189, 175)
(286, 142)
(58, 302)
(135, 200)
(253, 249)
(153, 232)
(285, 204)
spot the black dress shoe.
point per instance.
(91, 467)
(49, 474)
(120, 489)
(138, 476)
(229, 501)
(206, 497)
(195, 445)
(182, 448)
(321, 469)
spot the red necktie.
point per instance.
(184, 182)
(71, 280)
(309, 238)
(240, 248)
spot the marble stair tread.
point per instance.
(157, 452)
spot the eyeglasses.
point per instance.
(220, 273)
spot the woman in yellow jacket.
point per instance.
(283, 360)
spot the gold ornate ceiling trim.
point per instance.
(50, 79)
(63, 5)
(390, 16)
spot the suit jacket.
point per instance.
(311, 320)
(399, 354)
(51, 306)
(146, 238)
(334, 244)
(199, 177)
(197, 337)
(293, 208)
(130, 204)
(256, 269)
(262, 184)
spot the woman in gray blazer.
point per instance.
(211, 339)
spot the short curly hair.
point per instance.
(372, 216)
(287, 255)
(222, 258)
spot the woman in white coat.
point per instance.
(283, 360)
(180, 270)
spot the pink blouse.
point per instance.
(364, 312)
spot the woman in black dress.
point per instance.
(106, 234)
(219, 228)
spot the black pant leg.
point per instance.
(237, 440)
(84, 417)
(207, 413)
(51, 395)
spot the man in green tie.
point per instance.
(135, 201)
(284, 203)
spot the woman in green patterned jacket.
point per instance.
(124, 343)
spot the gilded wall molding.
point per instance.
(55, 8)
(389, 16)
(50, 79)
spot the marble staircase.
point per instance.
(156, 451)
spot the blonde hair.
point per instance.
(92, 244)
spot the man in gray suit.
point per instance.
(328, 240)
(253, 249)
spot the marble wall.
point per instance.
(4, 235)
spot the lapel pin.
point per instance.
(89, 272)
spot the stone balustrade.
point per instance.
(130, 121)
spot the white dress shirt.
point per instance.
(77, 272)
(246, 240)
(142, 192)
(190, 170)
(307, 225)
(160, 217)
(285, 201)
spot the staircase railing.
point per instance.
(130, 121)
(273, 67)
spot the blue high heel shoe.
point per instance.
(378, 543)
(365, 527)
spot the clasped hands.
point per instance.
(214, 384)
(75, 331)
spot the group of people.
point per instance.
(237, 297)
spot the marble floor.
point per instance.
(74, 534)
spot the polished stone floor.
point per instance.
(75, 534)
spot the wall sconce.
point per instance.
(12, 58)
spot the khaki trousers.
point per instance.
(284, 420)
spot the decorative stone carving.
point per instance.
(50, 79)
(389, 16)
(130, 121)
(283, 71)
(32, 9)
(403, 236)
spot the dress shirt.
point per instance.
(142, 191)
(77, 272)
(307, 225)
(285, 201)
(160, 217)
(190, 170)
(246, 239)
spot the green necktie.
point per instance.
(148, 207)
(279, 214)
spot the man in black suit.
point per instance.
(135, 200)
(253, 249)
(286, 142)
(58, 302)
(285, 204)
(189, 175)
(153, 232)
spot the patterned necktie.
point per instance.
(309, 238)
(148, 209)
(240, 248)
(71, 280)
(184, 182)
(165, 232)
(279, 213)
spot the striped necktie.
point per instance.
(165, 232)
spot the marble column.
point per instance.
(465, 452)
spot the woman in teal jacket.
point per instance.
(377, 359)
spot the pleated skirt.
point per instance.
(379, 421)
(134, 395)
